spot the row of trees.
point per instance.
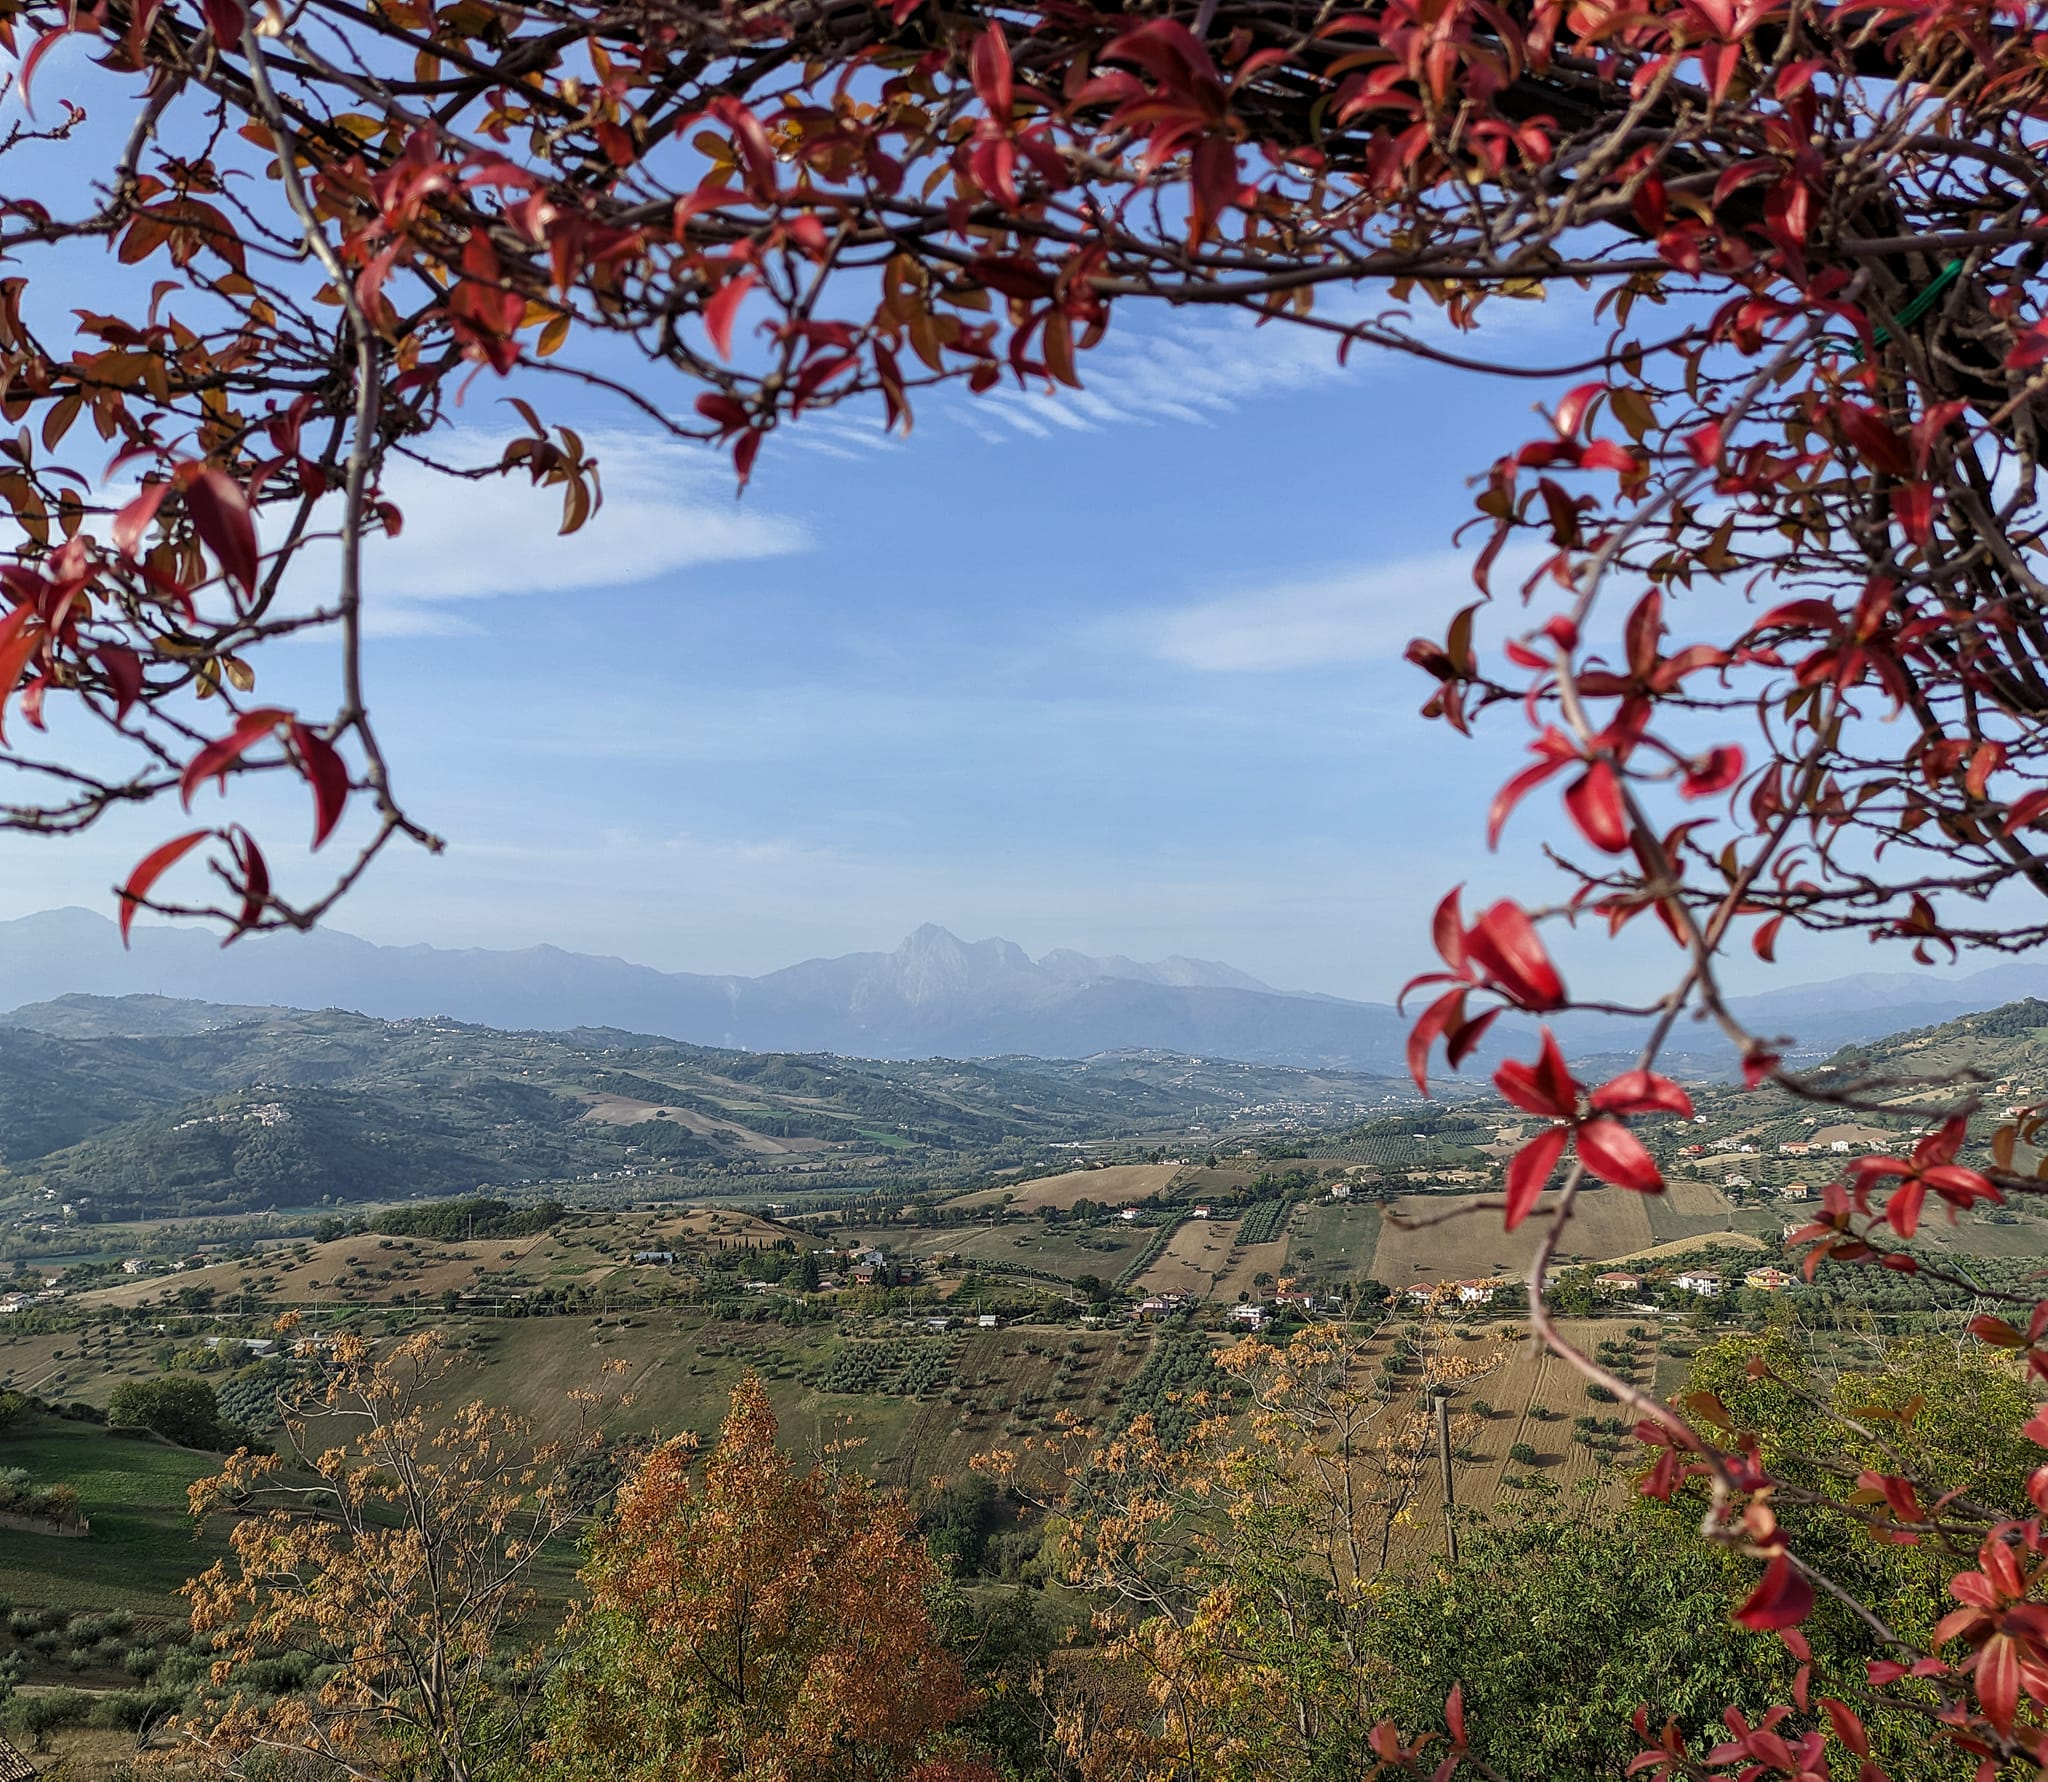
(1252, 1570)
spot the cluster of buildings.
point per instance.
(1702, 1283)
(1464, 1293)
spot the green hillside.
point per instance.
(292, 1109)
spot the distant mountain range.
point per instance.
(934, 996)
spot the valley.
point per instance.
(932, 1268)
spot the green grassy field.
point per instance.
(142, 1545)
(1333, 1241)
(1053, 1249)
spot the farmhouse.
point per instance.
(1478, 1293)
(1707, 1285)
(134, 1266)
(1253, 1317)
(1795, 1191)
(1616, 1282)
(1767, 1280)
(1340, 1190)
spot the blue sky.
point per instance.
(1118, 670)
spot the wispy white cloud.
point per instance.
(1196, 369)
(1319, 620)
(666, 509)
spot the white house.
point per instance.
(1253, 1317)
(1340, 1190)
(134, 1266)
(1707, 1286)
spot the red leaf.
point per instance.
(1574, 408)
(1545, 1087)
(220, 515)
(224, 18)
(131, 524)
(1528, 1170)
(1615, 1154)
(326, 773)
(153, 867)
(1782, 1598)
(1902, 1210)
(2025, 811)
(1512, 794)
(42, 46)
(1704, 445)
(123, 668)
(990, 67)
(20, 637)
(1913, 508)
(213, 761)
(1595, 804)
(1715, 771)
(1447, 1012)
(723, 310)
(1504, 944)
(255, 882)
(1463, 1041)
(1642, 1092)
(1848, 1728)
(1998, 1680)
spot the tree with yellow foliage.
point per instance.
(1234, 1570)
(379, 1562)
(747, 1618)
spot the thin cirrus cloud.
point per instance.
(1197, 369)
(1326, 620)
(466, 540)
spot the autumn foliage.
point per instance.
(750, 1618)
(1783, 658)
(389, 1547)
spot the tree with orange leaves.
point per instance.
(750, 1619)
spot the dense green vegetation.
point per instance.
(453, 1221)
(289, 1109)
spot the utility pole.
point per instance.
(1443, 1454)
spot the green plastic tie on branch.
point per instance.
(1921, 304)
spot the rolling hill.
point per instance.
(230, 1110)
